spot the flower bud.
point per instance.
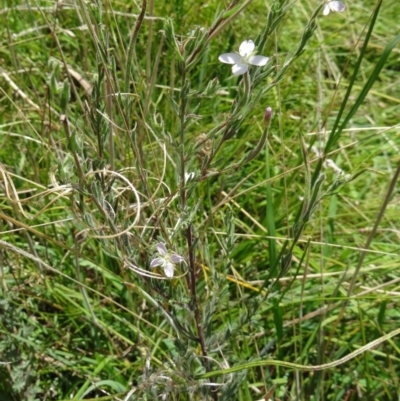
(267, 116)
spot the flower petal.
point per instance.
(337, 6)
(189, 176)
(174, 258)
(258, 60)
(229, 58)
(246, 48)
(169, 269)
(162, 250)
(326, 10)
(239, 69)
(157, 262)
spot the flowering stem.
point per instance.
(195, 305)
(193, 291)
(189, 234)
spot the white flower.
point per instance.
(245, 58)
(189, 176)
(166, 260)
(333, 6)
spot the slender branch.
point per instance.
(131, 46)
(189, 234)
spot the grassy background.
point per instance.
(83, 316)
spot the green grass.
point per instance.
(289, 233)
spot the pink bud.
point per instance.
(267, 116)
